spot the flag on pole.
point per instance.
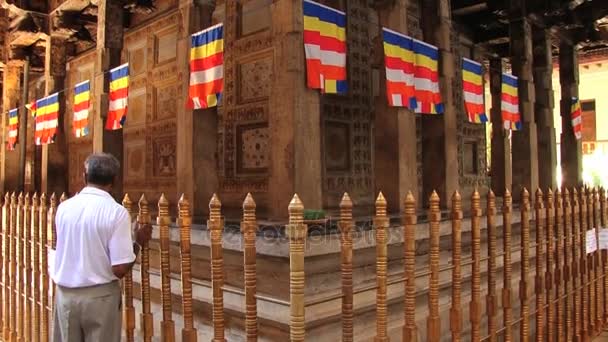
(119, 95)
(472, 85)
(399, 63)
(325, 48)
(206, 67)
(426, 78)
(577, 119)
(13, 129)
(82, 102)
(46, 119)
(32, 107)
(511, 118)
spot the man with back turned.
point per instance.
(95, 249)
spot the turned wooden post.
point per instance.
(129, 311)
(598, 268)
(297, 232)
(167, 331)
(20, 288)
(507, 267)
(409, 255)
(549, 277)
(249, 227)
(13, 268)
(6, 260)
(590, 267)
(35, 290)
(216, 226)
(604, 225)
(576, 275)
(539, 278)
(492, 299)
(475, 306)
(3, 258)
(583, 265)
(381, 225)
(455, 310)
(146, 320)
(44, 266)
(52, 231)
(27, 267)
(558, 233)
(433, 322)
(185, 223)
(525, 266)
(567, 272)
(346, 243)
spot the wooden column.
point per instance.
(492, 299)
(559, 238)
(525, 266)
(576, 265)
(110, 19)
(395, 128)
(163, 221)
(433, 323)
(249, 227)
(455, 309)
(129, 311)
(525, 161)
(44, 279)
(146, 318)
(19, 288)
(409, 255)
(294, 117)
(381, 225)
(501, 144)
(550, 222)
(197, 130)
(35, 284)
(216, 227)
(7, 260)
(507, 267)
(539, 279)
(475, 305)
(297, 233)
(570, 148)
(10, 99)
(27, 266)
(583, 265)
(185, 223)
(567, 273)
(543, 108)
(346, 243)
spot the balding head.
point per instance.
(101, 169)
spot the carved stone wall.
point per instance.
(149, 134)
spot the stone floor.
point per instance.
(602, 338)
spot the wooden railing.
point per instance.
(568, 282)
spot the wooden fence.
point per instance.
(568, 281)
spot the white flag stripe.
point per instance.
(206, 76)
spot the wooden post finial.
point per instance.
(249, 228)
(185, 222)
(507, 266)
(143, 218)
(163, 221)
(492, 300)
(380, 225)
(475, 305)
(455, 310)
(346, 266)
(433, 320)
(215, 226)
(409, 255)
(129, 310)
(525, 265)
(296, 231)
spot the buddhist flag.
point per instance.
(82, 102)
(426, 78)
(119, 95)
(325, 48)
(577, 119)
(509, 104)
(32, 107)
(206, 68)
(399, 64)
(46, 119)
(13, 129)
(472, 86)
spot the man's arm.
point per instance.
(121, 270)
(123, 251)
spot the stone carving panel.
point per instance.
(164, 156)
(136, 111)
(135, 160)
(253, 148)
(78, 154)
(137, 58)
(255, 78)
(165, 46)
(255, 16)
(166, 100)
(337, 142)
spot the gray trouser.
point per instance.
(89, 314)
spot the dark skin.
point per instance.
(143, 234)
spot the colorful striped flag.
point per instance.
(426, 78)
(399, 63)
(325, 47)
(206, 68)
(119, 95)
(46, 119)
(511, 118)
(472, 85)
(577, 119)
(82, 102)
(13, 129)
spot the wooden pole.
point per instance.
(380, 225)
(567, 272)
(558, 233)
(539, 279)
(167, 331)
(13, 270)
(52, 231)
(216, 225)
(44, 298)
(604, 224)
(590, 267)
(409, 255)
(129, 312)
(597, 265)
(7, 260)
(296, 232)
(492, 299)
(507, 276)
(249, 229)
(475, 306)
(346, 243)
(525, 266)
(549, 277)
(185, 223)
(433, 322)
(576, 265)
(583, 266)
(147, 320)
(20, 288)
(35, 291)
(455, 310)
(27, 267)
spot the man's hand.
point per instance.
(143, 233)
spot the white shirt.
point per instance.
(93, 234)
